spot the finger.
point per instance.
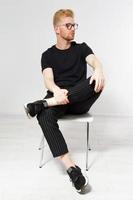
(96, 85)
(99, 86)
(91, 80)
(102, 84)
(67, 101)
(64, 101)
(102, 87)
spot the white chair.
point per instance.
(87, 118)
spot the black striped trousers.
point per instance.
(81, 98)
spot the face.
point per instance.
(64, 28)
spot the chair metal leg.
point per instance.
(41, 143)
(88, 146)
(42, 151)
(41, 147)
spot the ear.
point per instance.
(56, 28)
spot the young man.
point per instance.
(64, 69)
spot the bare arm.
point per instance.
(59, 94)
(48, 78)
(98, 75)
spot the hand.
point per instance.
(99, 79)
(61, 96)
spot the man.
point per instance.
(64, 69)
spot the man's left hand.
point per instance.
(99, 79)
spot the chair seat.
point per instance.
(87, 117)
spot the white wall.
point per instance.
(26, 31)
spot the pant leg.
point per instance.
(48, 121)
(82, 92)
(82, 107)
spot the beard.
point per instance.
(69, 37)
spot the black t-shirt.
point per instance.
(69, 65)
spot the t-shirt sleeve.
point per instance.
(86, 50)
(45, 61)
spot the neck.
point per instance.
(63, 44)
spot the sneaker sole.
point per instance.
(86, 182)
(80, 190)
(27, 111)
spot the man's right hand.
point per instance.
(61, 96)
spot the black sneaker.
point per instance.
(77, 178)
(34, 108)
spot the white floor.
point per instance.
(110, 161)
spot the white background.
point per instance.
(26, 31)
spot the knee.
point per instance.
(46, 114)
(93, 87)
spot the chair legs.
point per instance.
(42, 145)
(88, 146)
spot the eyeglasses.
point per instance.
(69, 26)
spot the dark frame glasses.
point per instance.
(70, 25)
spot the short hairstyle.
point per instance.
(62, 13)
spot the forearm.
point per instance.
(50, 85)
(94, 62)
(48, 78)
(97, 65)
(59, 95)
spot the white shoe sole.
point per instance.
(26, 111)
(86, 182)
(80, 190)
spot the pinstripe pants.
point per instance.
(81, 97)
